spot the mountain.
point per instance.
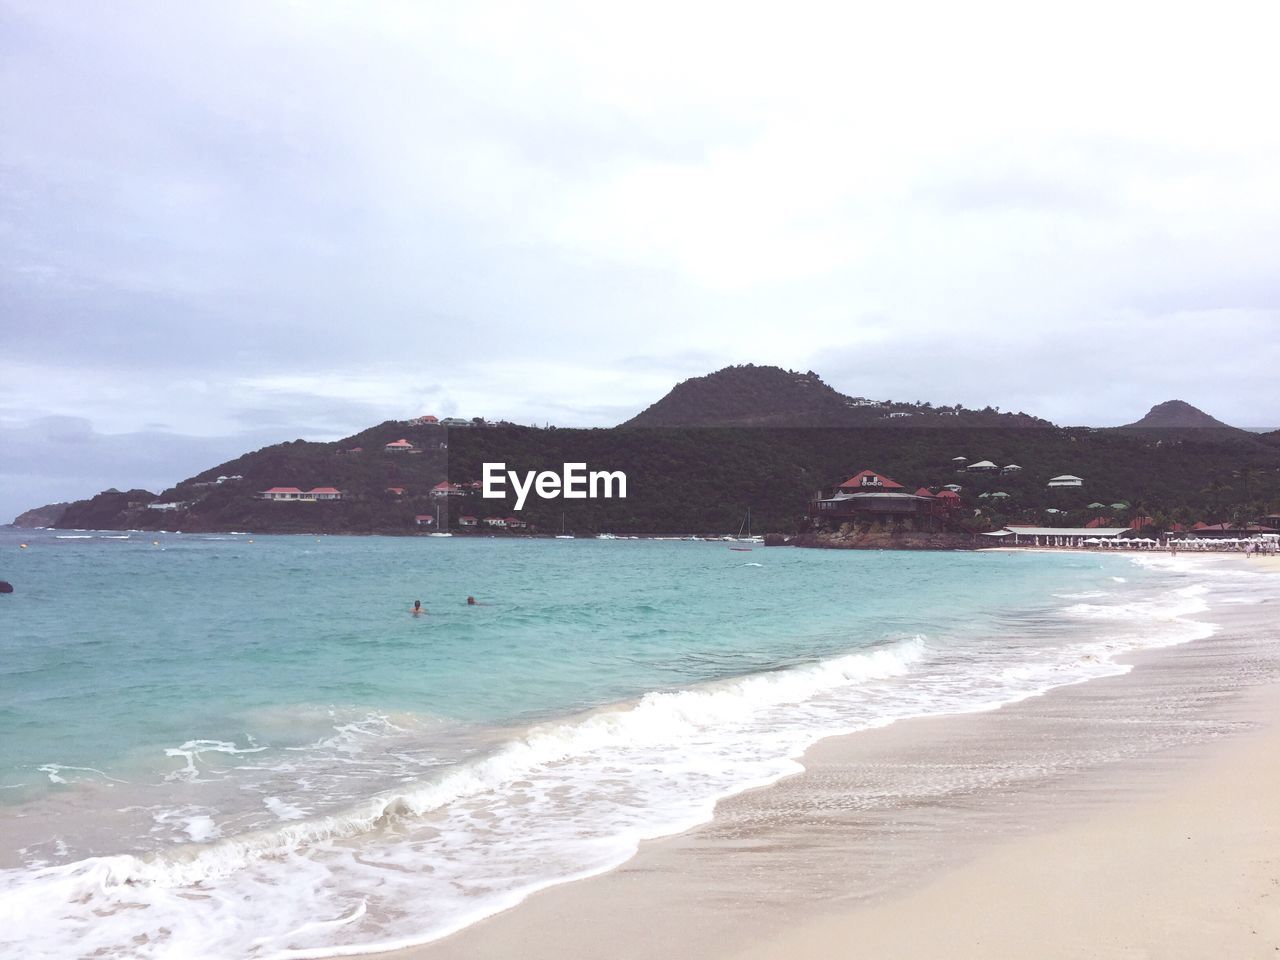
(1177, 415)
(46, 516)
(754, 396)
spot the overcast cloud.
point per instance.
(223, 224)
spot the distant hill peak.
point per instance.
(766, 396)
(1178, 414)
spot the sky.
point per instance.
(228, 224)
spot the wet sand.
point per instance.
(1127, 817)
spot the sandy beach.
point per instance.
(1127, 817)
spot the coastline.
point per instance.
(1024, 830)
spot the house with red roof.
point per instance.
(467, 521)
(324, 493)
(446, 489)
(515, 523)
(398, 446)
(425, 520)
(869, 496)
(396, 491)
(869, 479)
(494, 522)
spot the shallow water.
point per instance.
(249, 746)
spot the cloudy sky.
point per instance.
(226, 224)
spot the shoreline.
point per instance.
(837, 851)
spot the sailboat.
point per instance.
(745, 525)
(437, 532)
(562, 535)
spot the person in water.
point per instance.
(471, 602)
(417, 608)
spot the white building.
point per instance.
(1066, 480)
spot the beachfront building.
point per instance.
(982, 466)
(467, 521)
(495, 522)
(1219, 531)
(1066, 480)
(425, 520)
(515, 523)
(398, 446)
(869, 497)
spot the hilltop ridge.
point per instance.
(767, 396)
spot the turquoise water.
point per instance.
(263, 716)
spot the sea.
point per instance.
(249, 746)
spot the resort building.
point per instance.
(425, 520)
(398, 446)
(467, 521)
(982, 466)
(1010, 468)
(494, 522)
(446, 489)
(294, 494)
(1066, 480)
(515, 523)
(869, 496)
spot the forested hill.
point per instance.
(1178, 414)
(702, 480)
(764, 396)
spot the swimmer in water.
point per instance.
(417, 608)
(471, 602)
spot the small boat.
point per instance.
(745, 525)
(438, 532)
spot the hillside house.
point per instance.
(982, 466)
(455, 422)
(398, 446)
(280, 493)
(293, 494)
(446, 489)
(396, 491)
(1066, 480)
(1010, 468)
